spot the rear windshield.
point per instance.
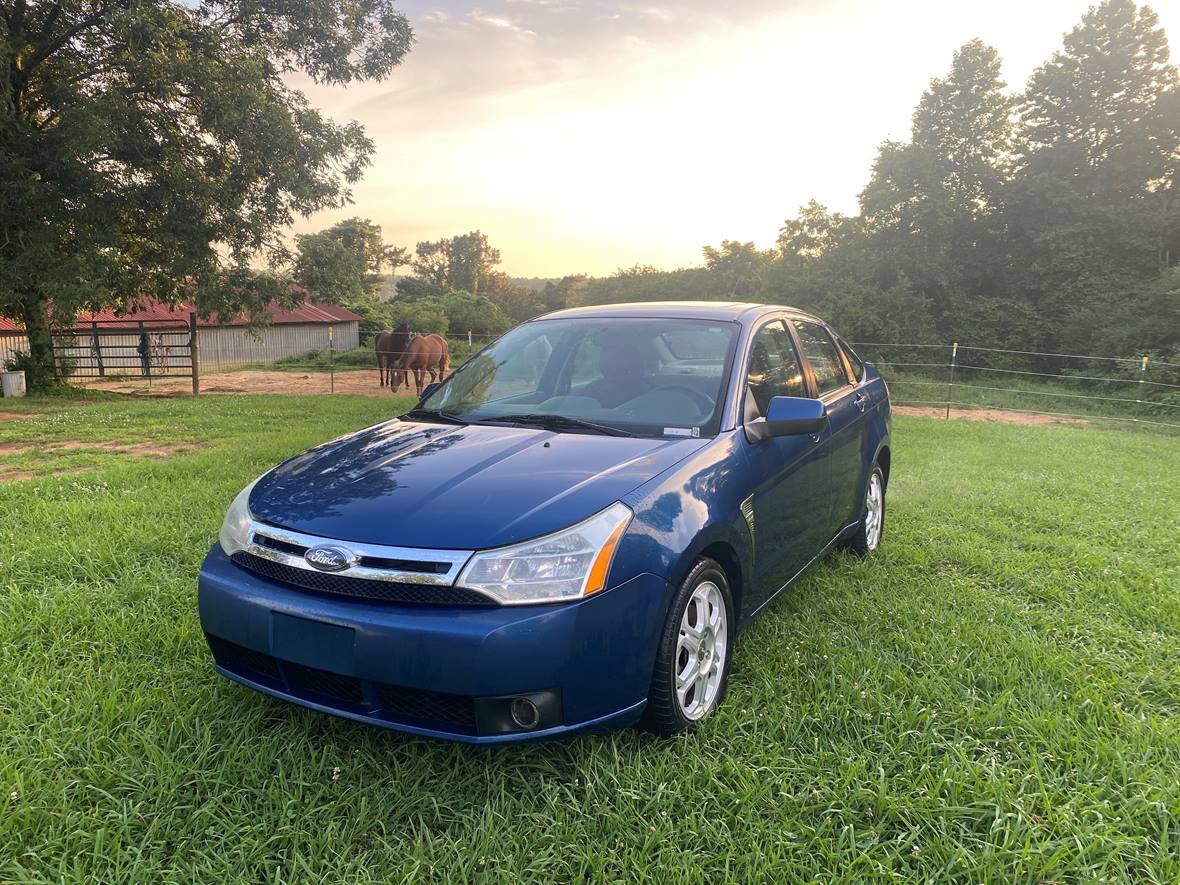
(652, 377)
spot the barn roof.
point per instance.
(151, 311)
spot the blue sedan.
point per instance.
(567, 532)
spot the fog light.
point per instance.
(525, 713)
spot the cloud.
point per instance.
(499, 21)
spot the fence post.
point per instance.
(468, 337)
(951, 379)
(332, 358)
(194, 352)
(97, 342)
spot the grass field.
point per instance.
(994, 697)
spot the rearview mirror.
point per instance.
(789, 416)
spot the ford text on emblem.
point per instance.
(329, 559)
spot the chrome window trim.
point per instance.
(454, 559)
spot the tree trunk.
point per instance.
(34, 313)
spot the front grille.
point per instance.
(309, 680)
(250, 663)
(359, 588)
(432, 706)
(421, 566)
(395, 703)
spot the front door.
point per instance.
(792, 471)
(847, 439)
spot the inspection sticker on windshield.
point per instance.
(682, 431)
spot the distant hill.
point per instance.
(535, 283)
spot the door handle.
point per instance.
(861, 400)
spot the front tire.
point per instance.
(693, 657)
(872, 522)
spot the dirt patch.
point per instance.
(1026, 418)
(353, 381)
(14, 448)
(18, 475)
(145, 449)
(14, 416)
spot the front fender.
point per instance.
(683, 511)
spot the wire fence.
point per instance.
(1125, 390)
(947, 379)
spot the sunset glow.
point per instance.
(586, 136)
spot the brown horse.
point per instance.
(390, 346)
(425, 353)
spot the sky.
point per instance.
(586, 135)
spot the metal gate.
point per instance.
(128, 350)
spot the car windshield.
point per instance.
(648, 377)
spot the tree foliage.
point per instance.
(344, 263)
(157, 147)
(1044, 220)
(461, 263)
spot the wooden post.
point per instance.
(194, 352)
(97, 344)
(951, 380)
(332, 357)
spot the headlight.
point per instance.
(235, 531)
(566, 565)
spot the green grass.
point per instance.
(995, 696)
(1116, 399)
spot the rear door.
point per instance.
(789, 507)
(846, 440)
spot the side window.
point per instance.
(774, 369)
(858, 366)
(822, 355)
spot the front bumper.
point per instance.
(443, 671)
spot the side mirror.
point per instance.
(789, 416)
(428, 389)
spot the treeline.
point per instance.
(1047, 220)
(454, 286)
(1042, 220)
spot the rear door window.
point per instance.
(858, 367)
(822, 355)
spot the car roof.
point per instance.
(733, 311)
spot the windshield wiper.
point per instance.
(553, 422)
(434, 415)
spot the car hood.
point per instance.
(412, 484)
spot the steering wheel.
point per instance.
(703, 402)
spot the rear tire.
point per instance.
(872, 521)
(694, 653)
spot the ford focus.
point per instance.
(567, 532)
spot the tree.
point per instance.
(931, 208)
(562, 293)
(156, 146)
(738, 269)
(473, 313)
(519, 303)
(1093, 207)
(343, 264)
(812, 233)
(456, 263)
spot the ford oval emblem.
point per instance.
(329, 559)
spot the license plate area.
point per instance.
(313, 643)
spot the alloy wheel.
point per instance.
(701, 650)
